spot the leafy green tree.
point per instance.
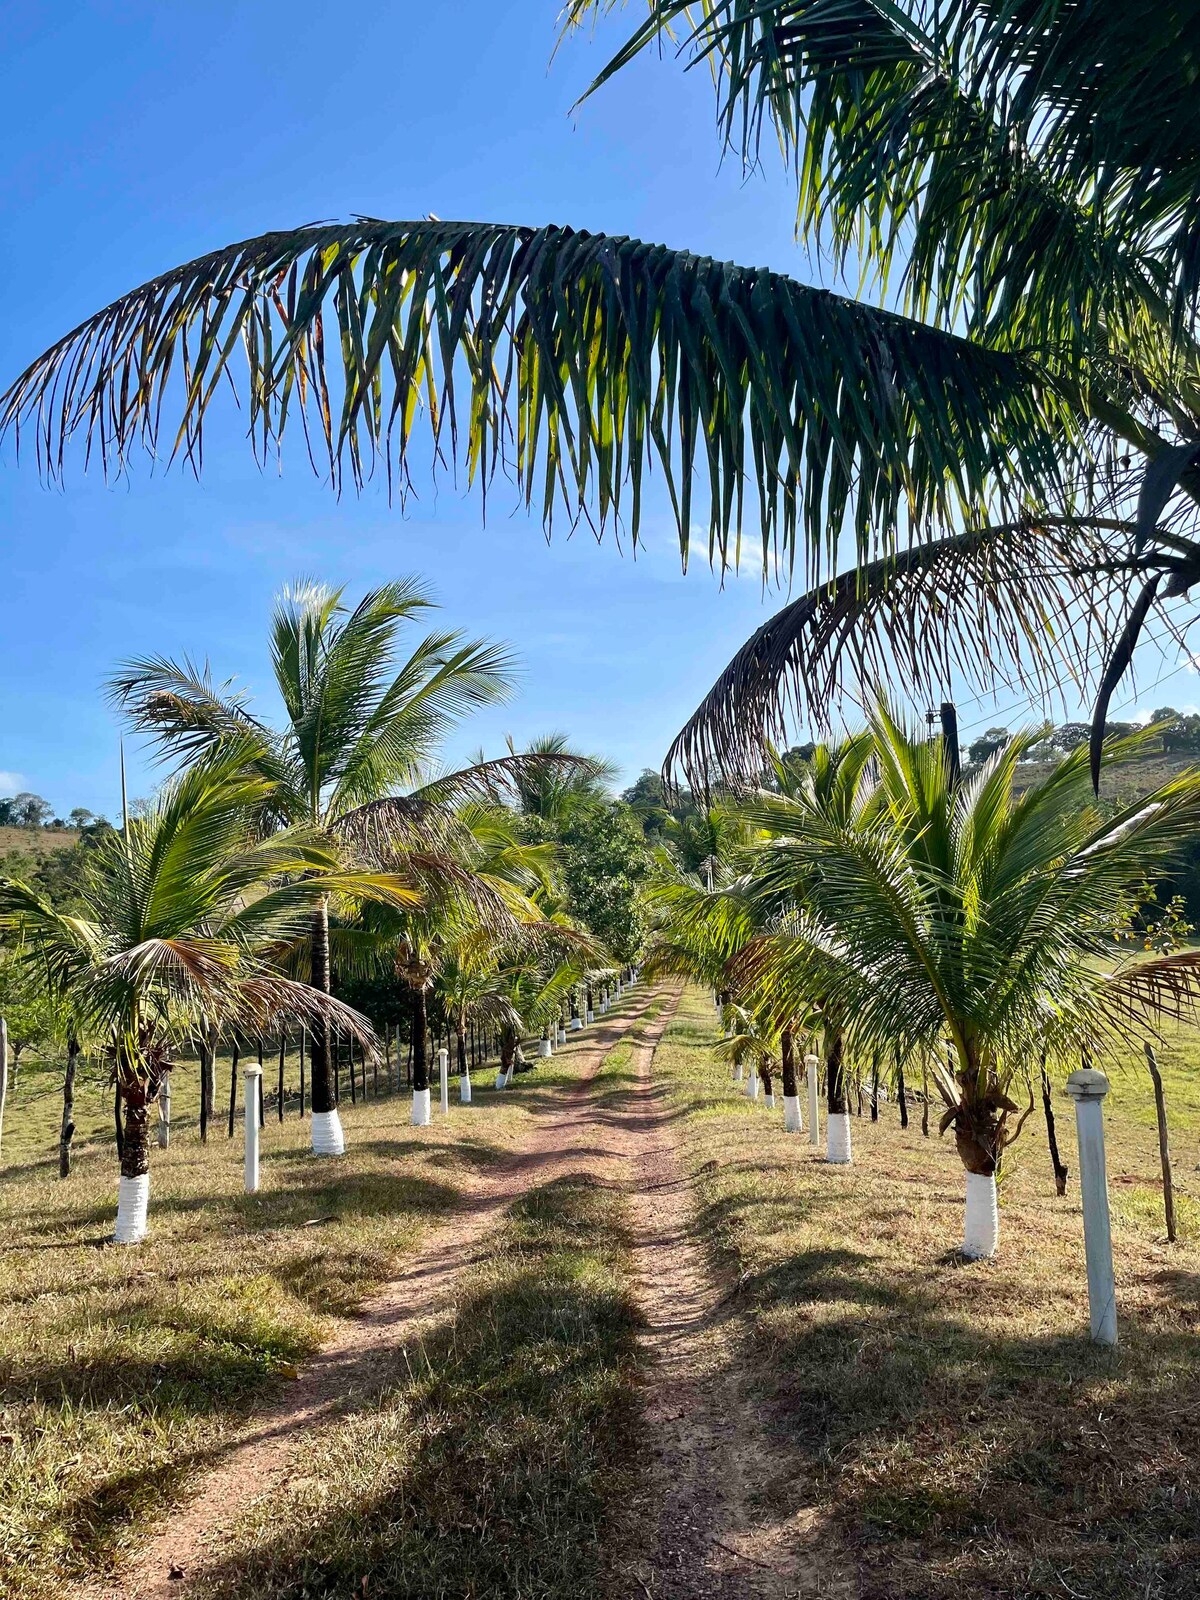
(33, 1016)
(983, 748)
(604, 865)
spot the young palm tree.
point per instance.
(364, 719)
(979, 912)
(177, 911)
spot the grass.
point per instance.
(953, 1427)
(494, 1465)
(122, 1370)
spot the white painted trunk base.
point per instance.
(837, 1138)
(739, 1073)
(792, 1122)
(591, 1016)
(545, 1049)
(562, 1036)
(422, 1114)
(981, 1224)
(752, 1086)
(576, 1024)
(326, 1134)
(769, 1100)
(133, 1200)
(464, 1088)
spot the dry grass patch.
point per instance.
(122, 1371)
(954, 1425)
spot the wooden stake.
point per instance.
(1164, 1153)
(233, 1066)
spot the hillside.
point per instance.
(36, 841)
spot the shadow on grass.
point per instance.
(494, 1468)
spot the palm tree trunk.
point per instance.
(134, 1188)
(320, 1066)
(875, 1088)
(979, 1138)
(420, 1061)
(837, 1122)
(325, 1124)
(464, 1071)
(793, 1122)
(67, 1131)
(421, 1110)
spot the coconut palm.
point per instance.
(1017, 181)
(364, 720)
(178, 913)
(554, 789)
(974, 910)
(478, 885)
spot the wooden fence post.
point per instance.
(1164, 1151)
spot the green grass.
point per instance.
(121, 1370)
(953, 1428)
(494, 1465)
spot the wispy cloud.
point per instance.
(11, 783)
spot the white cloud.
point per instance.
(11, 783)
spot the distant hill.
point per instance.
(36, 841)
(1138, 777)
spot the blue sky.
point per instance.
(140, 135)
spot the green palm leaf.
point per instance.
(575, 361)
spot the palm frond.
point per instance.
(577, 360)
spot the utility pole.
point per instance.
(950, 739)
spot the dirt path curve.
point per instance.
(700, 1532)
(362, 1357)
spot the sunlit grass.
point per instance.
(494, 1464)
(955, 1427)
(122, 1369)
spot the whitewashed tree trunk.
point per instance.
(739, 1073)
(769, 1100)
(326, 1134)
(545, 1050)
(981, 1223)
(133, 1202)
(464, 1087)
(752, 1086)
(422, 1111)
(792, 1122)
(837, 1138)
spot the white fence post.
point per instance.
(253, 1090)
(444, 1071)
(812, 1071)
(1087, 1088)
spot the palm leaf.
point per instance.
(577, 361)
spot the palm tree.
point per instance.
(179, 912)
(974, 911)
(363, 722)
(1024, 168)
(561, 781)
(477, 886)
